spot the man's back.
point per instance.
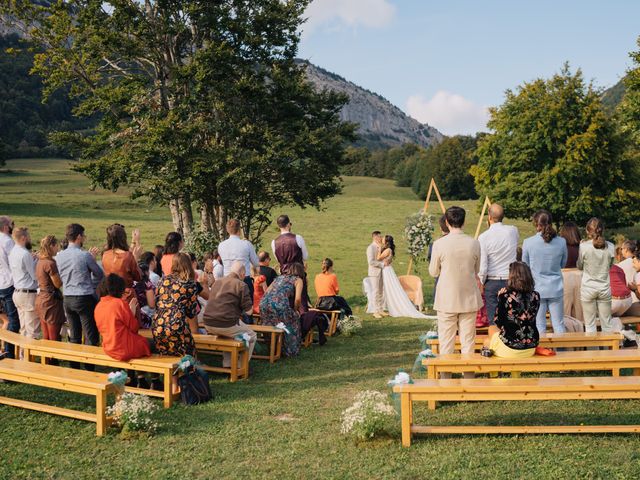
(499, 245)
(228, 300)
(236, 249)
(455, 260)
(6, 244)
(74, 271)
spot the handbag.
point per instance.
(327, 303)
(194, 386)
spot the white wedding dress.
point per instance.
(395, 298)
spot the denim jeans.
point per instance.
(6, 298)
(555, 307)
(491, 289)
(79, 311)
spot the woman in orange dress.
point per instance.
(172, 245)
(122, 260)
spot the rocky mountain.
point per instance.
(382, 124)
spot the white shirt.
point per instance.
(498, 249)
(154, 278)
(299, 242)
(218, 270)
(630, 273)
(23, 268)
(235, 249)
(6, 244)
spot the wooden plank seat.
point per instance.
(272, 337)
(48, 349)
(564, 388)
(553, 340)
(333, 316)
(635, 321)
(216, 344)
(59, 378)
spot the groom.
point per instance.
(375, 274)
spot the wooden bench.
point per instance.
(565, 388)
(333, 316)
(72, 352)
(59, 378)
(271, 336)
(216, 344)
(553, 340)
(635, 321)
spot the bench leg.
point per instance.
(405, 417)
(101, 413)
(272, 348)
(245, 363)
(168, 388)
(234, 365)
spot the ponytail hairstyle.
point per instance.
(595, 231)
(327, 263)
(543, 222)
(388, 243)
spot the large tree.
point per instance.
(201, 104)
(629, 108)
(554, 147)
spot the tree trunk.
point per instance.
(186, 214)
(176, 218)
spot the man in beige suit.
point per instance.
(375, 273)
(455, 259)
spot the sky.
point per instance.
(444, 62)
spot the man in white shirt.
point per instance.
(498, 249)
(23, 272)
(236, 249)
(6, 282)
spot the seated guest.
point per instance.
(146, 296)
(229, 299)
(218, 269)
(176, 309)
(158, 250)
(571, 275)
(116, 322)
(259, 288)
(265, 269)
(49, 304)
(282, 303)
(515, 334)
(620, 293)
(173, 243)
(149, 259)
(327, 290)
(628, 250)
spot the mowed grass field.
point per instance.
(284, 422)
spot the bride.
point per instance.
(398, 303)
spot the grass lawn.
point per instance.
(284, 422)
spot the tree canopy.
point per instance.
(201, 104)
(554, 147)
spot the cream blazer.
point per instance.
(455, 260)
(375, 266)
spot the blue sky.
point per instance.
(444, 62)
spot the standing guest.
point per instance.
(149, 259)
(444, 230)
(571, 274)
(595, 260)
(145, 295)
(49, 300)
(259, 289)
(228, 301)
(455, 259)
(80, 275)
(515, 334)
(546, 255)
(117, 323)
(122, 260)
(290, 248)
(265, 260)
(158, 250)
(327, 290)
(23, 272)
(235, 249)
(173, 243)
(281, 304)
(177, 309)
(498, 249)
(6, 281)
(374, 273)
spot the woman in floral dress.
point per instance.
(281, 304)
(176, 309)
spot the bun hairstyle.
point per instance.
(388, 243)
(327, 263)
(544, 224)
(595, 231)
(632, 246)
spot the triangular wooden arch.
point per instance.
(432, 188)
(485, 206)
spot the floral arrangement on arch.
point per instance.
(418, 232)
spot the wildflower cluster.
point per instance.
(349, 325)
(418, 232)
(368, 416)
(134, 413)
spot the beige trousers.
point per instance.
(448, 325)
(29, 321)
(232, 332)
(378, 293)
(572, 278)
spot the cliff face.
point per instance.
(382, 124)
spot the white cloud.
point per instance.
(348, 13)
(449, 112)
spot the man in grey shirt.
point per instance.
(80, 275)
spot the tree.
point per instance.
(629, 108)
(554, 147)
(201, 103)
